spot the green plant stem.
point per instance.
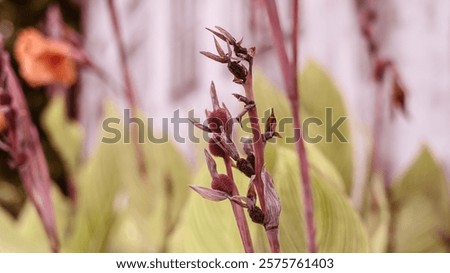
(239, 213)
(289, 72)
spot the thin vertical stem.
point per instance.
(239, 213)
(289, 71)
(258, 145)
(258, 148)
(129, 91)
(274, 242)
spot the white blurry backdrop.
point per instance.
(163, 38)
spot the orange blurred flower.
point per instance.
(3, 122)
(43, 61)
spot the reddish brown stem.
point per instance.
(289, 72)
(274, 242)
(129, 91)
(258, 148)
(54, 28)
(239, 213)
(258, 145)
(25, 149)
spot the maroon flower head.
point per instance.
(222, 182)
(214, 147)
(217, 119)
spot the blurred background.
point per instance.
(163, 40)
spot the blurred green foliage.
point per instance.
(117, 211)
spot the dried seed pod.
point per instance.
(256, 214)
(222, 182)
(239, 71)
(245, 167)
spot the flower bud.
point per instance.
(256, 214)
(245, 167)
(214, 147)
(223, 183)
(217, 119)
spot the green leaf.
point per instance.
(65, 135)
(338, 226)
(26, 234)
(147, 211)
(319, 92)
(267, 96)
(98, 183)
(421, 207)
(210, 226)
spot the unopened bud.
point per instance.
(245, 167)
(256, 214)
(218, 119)
(214, 147)
(222, 182)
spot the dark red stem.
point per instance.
(258, 145)
(129, 91)
(239, 213)
(289, 72)
(258, 148)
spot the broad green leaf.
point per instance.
(65, 135)
(153, 207)
(116, 209)
(98, 182)
(210, 227)
(421, 207)
(317, 93)
(338, 226)
(148, 210)
(11, 240)
(26, 234)
(267, 97)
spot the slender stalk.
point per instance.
(289, 72)
(258, 148)
(239, 213)
(23, 144)
(274, 242)
(54, 28)
(258, 145)
(129, 90)
(367, 19)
